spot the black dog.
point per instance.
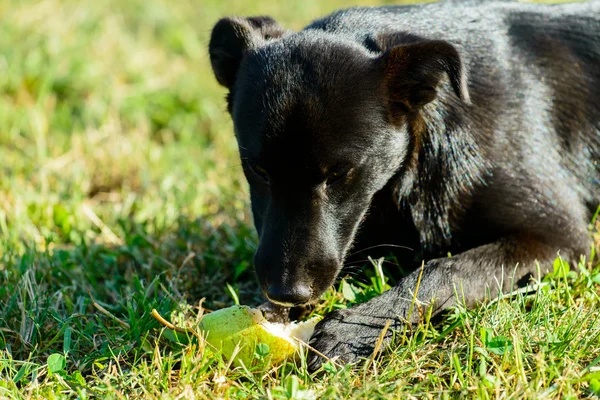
(464, 127)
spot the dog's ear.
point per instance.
(414, 71)
(231, 37)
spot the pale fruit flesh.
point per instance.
(244, 326)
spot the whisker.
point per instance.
(351, 271)
(233, 166)
(381, 245)
(366, 260)
(356, 276)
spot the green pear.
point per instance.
(247, 328)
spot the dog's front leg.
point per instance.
(350, 334)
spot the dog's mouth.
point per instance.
(287, 292)
(287, 304)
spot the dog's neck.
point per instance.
(448, 166)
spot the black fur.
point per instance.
(467, 127)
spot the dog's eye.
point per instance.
(336, 175)
(260, 172)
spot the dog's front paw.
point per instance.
(345, 336)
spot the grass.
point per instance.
(121, 192)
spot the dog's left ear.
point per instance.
(414, 71)
(232, 37)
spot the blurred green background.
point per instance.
(112, 106)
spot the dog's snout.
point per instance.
(288, 295)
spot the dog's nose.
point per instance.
(289, 295)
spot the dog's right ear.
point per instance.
(231, 37)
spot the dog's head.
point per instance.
(322, 124)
